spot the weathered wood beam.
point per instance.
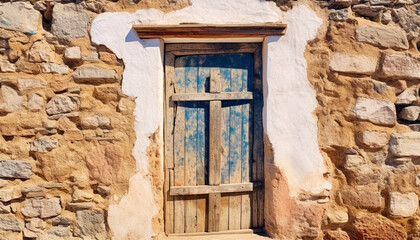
(207, 189)
(212, 96)
(210, 30)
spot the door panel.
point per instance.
(195, 74)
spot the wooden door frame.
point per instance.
(171, 52)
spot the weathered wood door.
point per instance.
(214, 145)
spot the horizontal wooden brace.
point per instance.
(206, 189)
(210, 31)
(212, 96)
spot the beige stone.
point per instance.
(15, 169)
(73, 54)
(64, 124)
(371, 226)
(30, 84)
(104, 163)
(362, 199)
(82, 195)
(35, 103)
(337, 215)
(358, 64)
(375, 111)
(69, 22)
(44, 144)
(336, 235)
(408, 96)
(373, 139)
(410, 113)
(41, 52)
(11, 100)
(386, 37)
(94, 75)
(399, 66)
(55, 68)
(90, 224)
(10, 223)
(126, 106)
(107, 93)
(27, 21)
(90, 120)
(6, 66)
(405, 144)
(43, 208)
(403, 205)
(61, 104)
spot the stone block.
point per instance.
(35, 103)
(69, 22)
(104, 163)
(410, 113)
(19, 16)
(91, 120)
(12, 100)
(30, 84)
(107, 93)
(375, 111)
(403, 205)
(405, 144)
(357, 64)
(369, 226)
(362, 199)
(339, 15)
(336, 235)
(44, 144)
(372, 139)
(72, 54)
(90, 224)
(384, 37)
(6, 66)
(61, 104)
(9, 194)
(367, 10)
(336, 215)
(54, 68)
(15, 169)
(399, 66)
(43, 208)
(408, 96)
(41, 52)
(10, 223)
(94, 75)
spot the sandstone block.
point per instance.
(408, 96)
(15, 169)
(107, 93)
(375, 111)
(410, 113)
(362, 199)
(5, 208)
(353, 161)
(384, 37)
(55, 68)
(29, 84)
(126, 106)
(42, 208)
(381, 2)
(386, 17)
(61, 221)
(41, 52)
(403, 205)
(90, 224)
(80, 206)
(60, 231)
(72, 54)
(368, 11)
(9, 194)
(69, 22)
(367, 226)
(107, 57)
(363, 174)
(44, 144)
(10, 223)
(405, 144)
(339, 15)
(35, 103)
(373, 139)
(92, 57)
(399, 66)
(337, 215)
(409, 20)
(90, 120)
(82, 195)
(358, 64)
(12, 100)
(94, 75)
(61, 104)
(64, 124)
(6, 66)
(104, 163)
(27, 21)
(336, 235)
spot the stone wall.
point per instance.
(68, 130)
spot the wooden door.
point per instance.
(214, 145)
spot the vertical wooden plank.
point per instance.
(168, 133)
(214, 151)
(179, 143)
(190, 174)
(245, 154)
(202, 121)
(235, 151)
(258, 134)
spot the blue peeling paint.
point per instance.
(31, 31)
(5, 22)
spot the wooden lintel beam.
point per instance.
(206, 189)
(210, 30)
(212, 96)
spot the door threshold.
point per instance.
(257, 231)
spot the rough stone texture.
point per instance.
(104, 163)
(107, 93)
(61, 104)
(409, 19)
(362, 199)
(408, 96)
(403, 205)
(44, 144)
(5, 208)
(94, 120)
(339, 15)
(69, 22)
(35, 103)
(6, 66)
(382, 37)
(72, 54)
(358, 64)
(94, 75)
(375, 111)
(373, 139)
(55, 68)
(15, 169)
(90, 224)
(30, 84)
(399, 66)
(368, 11)
(27, 21)
(9, 194)
(41, 52)
(410, 113)
(337, 215)
(43, 208)
(11, 100)
(405, 144)
(10, 223)
(367, 227)
(336, 235)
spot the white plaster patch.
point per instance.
(289, 102)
